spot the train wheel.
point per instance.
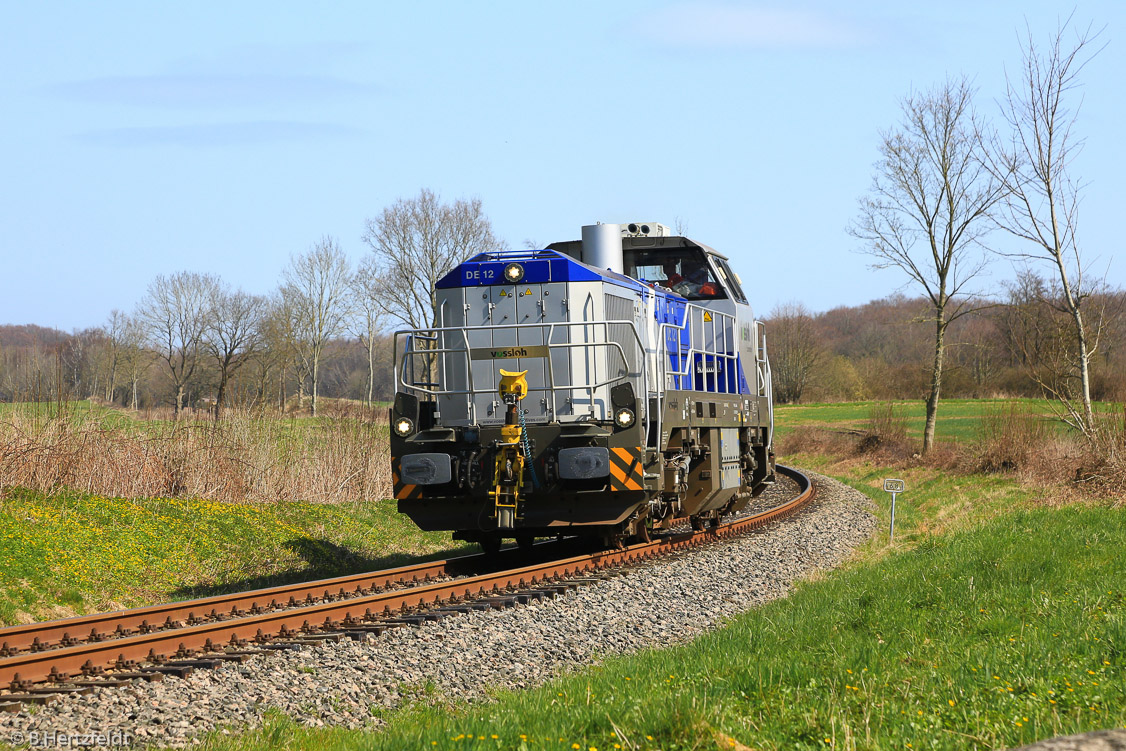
(490, 545)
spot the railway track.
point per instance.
(39, 662)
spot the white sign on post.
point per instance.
(895, 487)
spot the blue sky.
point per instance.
(146, 138)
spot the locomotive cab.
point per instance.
(646, 397)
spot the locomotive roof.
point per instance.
(574, 248)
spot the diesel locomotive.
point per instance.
(609, 386)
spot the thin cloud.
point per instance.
(202, 91)
(218, 134)
(714, 25)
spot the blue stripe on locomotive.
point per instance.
(704, 375)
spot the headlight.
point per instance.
(513, 272)
(404, 426)
(623, 418)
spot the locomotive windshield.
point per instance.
(685, 271)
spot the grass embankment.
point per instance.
(1001, 633)
(75, 553)
(216, 505)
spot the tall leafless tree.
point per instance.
(929, 207)
(1041, 195)
(268, 367)
(135, 358)
(176, 311)
(370, 311)
(233, 335)
(416, 242)
(315, 284)
(795, 353)
(115, 330)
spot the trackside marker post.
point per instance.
(895, 487)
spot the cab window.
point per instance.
(684, 271)
(730, 280)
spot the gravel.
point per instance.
(347, 683)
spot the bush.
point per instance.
(887, 430)
(1012, 439)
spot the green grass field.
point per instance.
(958, 419)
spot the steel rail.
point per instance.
(330, 615)
(101, 626)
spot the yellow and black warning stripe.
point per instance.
(403, 491)
(626, 470)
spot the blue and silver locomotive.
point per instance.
(608, 387)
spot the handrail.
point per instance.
(693, 349)
(406, 360)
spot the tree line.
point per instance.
(193, 341)
(1017, 345)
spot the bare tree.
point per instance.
(978, 353)
(368, 295)
(135, 359)
(1041, 195)
(1039, 334)
(114, 342)
(795, 353)
(233, 334)
(315, 284)
(928, 209)
(416, 242)
(278, 349)
(176, 311)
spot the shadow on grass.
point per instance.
(324, 560)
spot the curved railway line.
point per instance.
(39, 662)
